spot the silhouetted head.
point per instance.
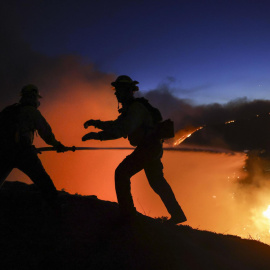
(30, 95)
(124, 88)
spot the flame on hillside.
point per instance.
(182, 134)
(229, 122)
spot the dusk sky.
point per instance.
(205, 51)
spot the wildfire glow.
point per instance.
(266, 213)
(231, 121)
(182, 134)
(260, 225)
(193, 176)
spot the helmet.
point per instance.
(29, 90)
(125, 81)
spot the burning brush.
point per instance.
(184, 133)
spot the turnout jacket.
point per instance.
(30, 120)
(19, 122)
(135, 123)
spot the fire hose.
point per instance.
(182, 149)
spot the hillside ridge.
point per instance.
(90, 235)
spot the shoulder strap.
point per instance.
(157, 117)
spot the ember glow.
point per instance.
(182, 134)
(229, 122)
(266, 213)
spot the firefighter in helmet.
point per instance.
(19, 122)
(137, 122)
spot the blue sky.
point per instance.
(205, 51)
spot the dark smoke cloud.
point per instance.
(248, 131)
(20, 64)
(184, 113)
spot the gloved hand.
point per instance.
(91, 122)
(91, 136)
(60, 148)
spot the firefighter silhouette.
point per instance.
(138, 122)
(18, 123)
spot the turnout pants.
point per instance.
(147, 158)
(27, 161)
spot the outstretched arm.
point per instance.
(109, 130)
(45, 132)
(101, 136)
(121, 127)
(104, 125)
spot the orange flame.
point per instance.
(229, 122)
(182, 134)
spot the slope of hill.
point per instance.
(90, 235)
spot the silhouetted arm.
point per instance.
(98, 124)
(105, 125)
(44, 129)
(122, 126)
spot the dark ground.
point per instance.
(91, 236)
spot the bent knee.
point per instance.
(121, 172)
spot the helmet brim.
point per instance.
(124, 83)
